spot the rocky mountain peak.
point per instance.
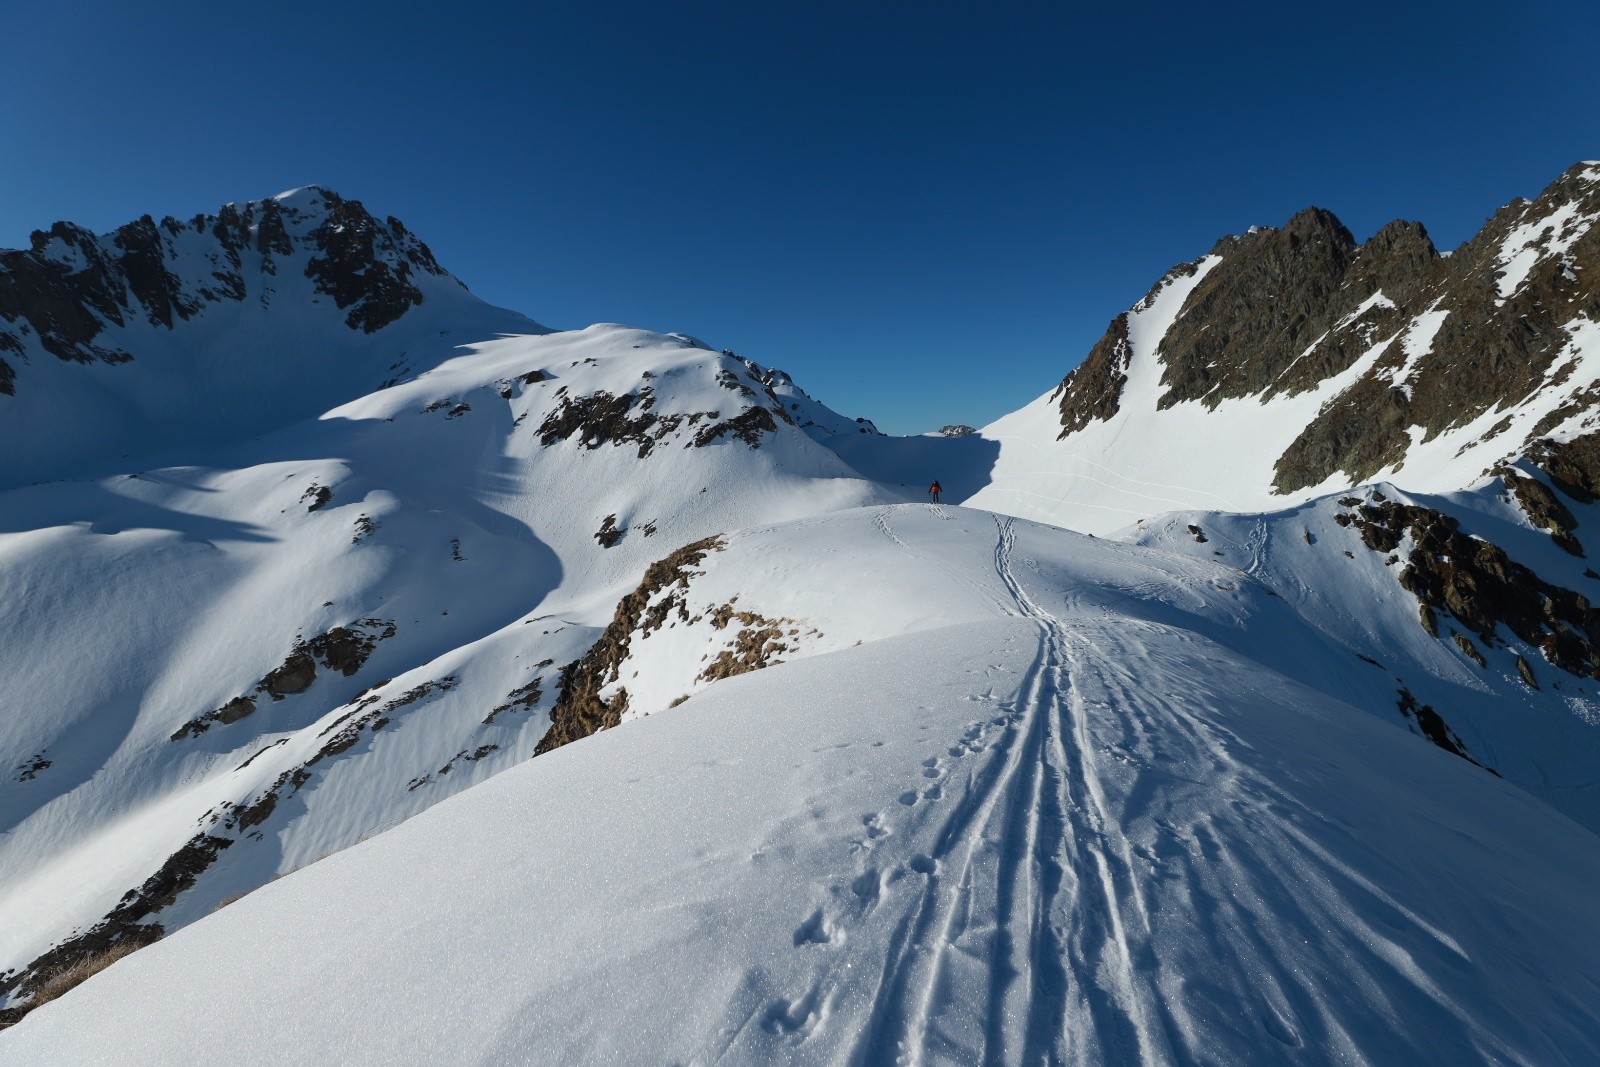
(74, 296)
(1243, 325)
(1394, 260)
(1433, 342)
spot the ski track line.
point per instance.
(1031, 844)
(1100, 989)
(1035, 936)
(903, 1011)
(881, 521)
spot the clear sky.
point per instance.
(926, 212)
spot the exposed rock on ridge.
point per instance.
(1477, 584)
(1433, 342)
(1092, 391)
(584, 707)
(1274, 292)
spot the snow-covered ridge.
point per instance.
(292, 642)
(1045, 793)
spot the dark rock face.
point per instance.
(376, 289)
(316, 497)
(1092, 391)
(580, 710)
(1360, 434)
(344, 649)
(30, 768)
(747, 426)
(1463, 642)
(602, 418)
(1432, 726)
(64, 295)
(1274, 293)
(1574, 466)
(1543, 508)
(295, 676)
(1491, 351)
(235, 709)
(144, 265)
(71, 286)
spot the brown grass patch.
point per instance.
(71, 977)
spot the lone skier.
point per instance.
(934, 490)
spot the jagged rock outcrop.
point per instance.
(1480, 586)
(1092, 391)
(1573, 465)
(1505, 324)
(63, 295)
(1428, 343)
(344, 649)
(584, 707)
(1274, 293)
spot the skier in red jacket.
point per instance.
(934, 490)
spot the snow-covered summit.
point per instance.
(162, 334)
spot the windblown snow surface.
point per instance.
(1029, 799)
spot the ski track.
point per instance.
(1095, 871)
(881, 520)
(1084, 868)
(1029, 842)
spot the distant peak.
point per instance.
(307, 196)
(1316, 221)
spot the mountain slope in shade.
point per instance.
(162, 335)
(1040, 811)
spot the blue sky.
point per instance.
(925, 212)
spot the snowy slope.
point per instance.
(1041, 811)
(294, 641)
(309, 546)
